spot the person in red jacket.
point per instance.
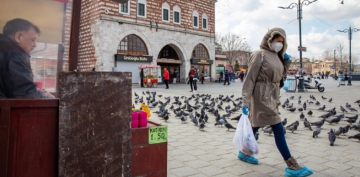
(166, 78)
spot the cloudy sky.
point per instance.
(252, 18)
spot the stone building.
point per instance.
(170, 33)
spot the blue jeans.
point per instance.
(280, 141)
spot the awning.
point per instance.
(148, 66)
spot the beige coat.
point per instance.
(261, 90)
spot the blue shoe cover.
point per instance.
(248, 159)
(298, 173)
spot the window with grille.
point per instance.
(177, 17)
(195, 21)
(132, 45)
(166, 14)
(200, 52)
(205, 23)
(141, 10)
(124, 8)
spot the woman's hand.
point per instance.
(287, 57)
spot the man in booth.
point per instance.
(16, 43)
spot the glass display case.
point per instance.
(51, 20)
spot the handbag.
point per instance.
(244, 139)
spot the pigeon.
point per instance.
(268, 130)
(300, 109)
(352, 109)
(324, 98)
(317, 103)
(292, 128)
(302, 116)
(357, 136)
(229, 126)
(292, 109)
(307, 124)
(316, 132)
(284, 122)
(183, 119)
(358, 101)
(334, 120)
(237, 117)
(332, 137)
(201, 126)
(339, 131)
(292, 97)
(318, 123)
(347, 105)
(342, 109)
(299, 101)
(346, 129)
(325, 116)
(322, 107)
(219, 107)
(294, 123)
(330, 100)
(304, 105)
(356, 127)
(310, 113)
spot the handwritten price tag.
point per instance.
(158, 134)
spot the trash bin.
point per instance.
(290, 85)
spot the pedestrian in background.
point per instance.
(166, 76)
(227, 76)
(191, 79)
(142, 77)
(175, 75)
(202, 77)
(221, 76)
(340, 78)
(242, 74)
(261, 91)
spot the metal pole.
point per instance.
(349, 75)
(334, 63)
(301, 78)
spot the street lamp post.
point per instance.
(349, 31)
(299, 9)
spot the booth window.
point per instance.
(177, 15)
(132, 45)
(200, 52)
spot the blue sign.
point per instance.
(333, 67)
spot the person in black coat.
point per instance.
(142, 77)
(16, 77)
(227, 77)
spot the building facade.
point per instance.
(173, 34)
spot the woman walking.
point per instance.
(261, 92)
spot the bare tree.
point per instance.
(234, 47)
(327, 55)
(340, 49)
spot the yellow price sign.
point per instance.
(158, 134)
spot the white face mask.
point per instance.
(277, 46)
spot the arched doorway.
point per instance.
(131, 53)
(200, 59)
(170, 57)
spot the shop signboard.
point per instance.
(158, 134)
(201, 62)
(133, 58)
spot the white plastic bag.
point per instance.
(244, 139)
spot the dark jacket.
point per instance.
(227, 75)
(16, 77)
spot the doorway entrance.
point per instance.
(169, 58)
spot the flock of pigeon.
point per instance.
(205, 105)
(330, 116)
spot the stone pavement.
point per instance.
(192, 152)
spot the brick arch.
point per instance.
(206, 45)
(181, 52)
(140, 35)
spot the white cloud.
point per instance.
(321, 19)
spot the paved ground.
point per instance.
(210, 153)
